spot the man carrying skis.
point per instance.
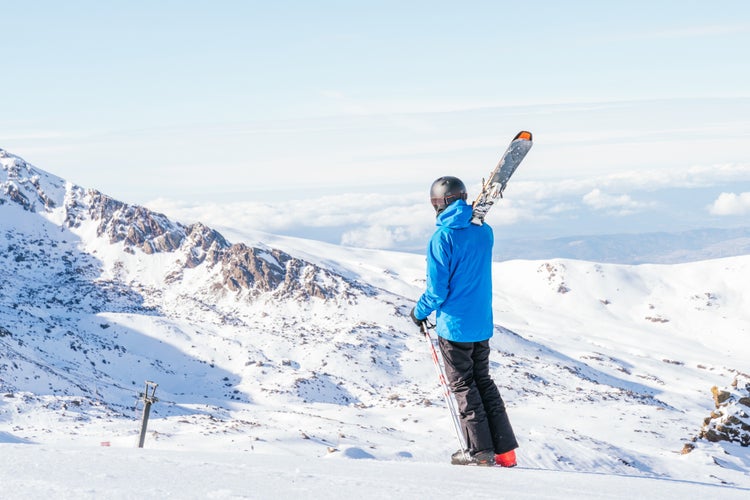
(459, 289)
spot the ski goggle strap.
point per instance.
(442, 202)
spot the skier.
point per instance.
(459, 289)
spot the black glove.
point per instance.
(418, 322)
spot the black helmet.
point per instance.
(445, 191)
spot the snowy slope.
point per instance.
(93, 473)
(275, 347)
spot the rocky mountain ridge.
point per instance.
(258, 270)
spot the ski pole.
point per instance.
(449, 401)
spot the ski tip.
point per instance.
(523, 134)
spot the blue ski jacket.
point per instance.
(459, 277)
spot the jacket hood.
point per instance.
(456, 216)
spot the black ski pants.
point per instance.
(484, 421)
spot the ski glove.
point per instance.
(418, 322)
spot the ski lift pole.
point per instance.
(148, 400)
(449, 401)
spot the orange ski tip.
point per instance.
(524, 135)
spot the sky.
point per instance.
(331, 119)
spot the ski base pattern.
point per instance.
(498, 179)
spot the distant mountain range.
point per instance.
(638, 248)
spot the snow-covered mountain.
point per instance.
(272, 345)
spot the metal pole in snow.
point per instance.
(148, 399)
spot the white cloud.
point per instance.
(731, 204)
(366, 220)
(632, 180)
(378, 236)
(507, 212)
(619, 205)
(560, 208)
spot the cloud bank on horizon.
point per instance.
(635, 201)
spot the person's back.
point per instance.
(459, 276)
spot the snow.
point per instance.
(606, 371)
(93, 473)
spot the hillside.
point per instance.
(275, 346)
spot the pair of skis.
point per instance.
(493, 187)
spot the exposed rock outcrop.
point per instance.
(730, 421)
